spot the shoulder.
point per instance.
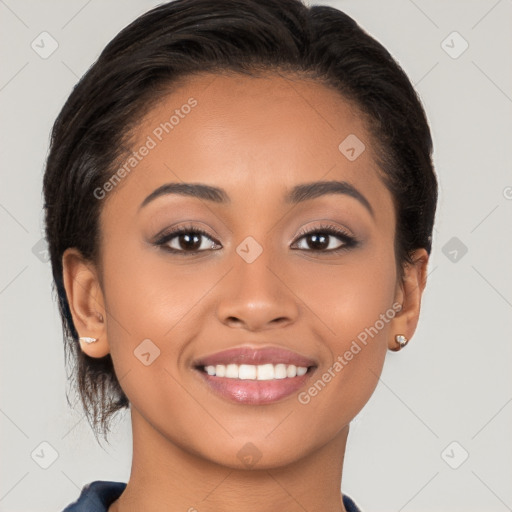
(96, 496)
(350, 505)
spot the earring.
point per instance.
(86, 339)
(401, 340)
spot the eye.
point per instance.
(321, 239)
(191, 240)
(186, 239)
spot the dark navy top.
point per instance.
(100, 494)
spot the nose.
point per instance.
(257, 297)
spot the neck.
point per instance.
(165, 477)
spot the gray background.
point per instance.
(451, 384)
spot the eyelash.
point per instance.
(348, 240)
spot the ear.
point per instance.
(408, 293)
(86, 302)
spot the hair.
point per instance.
(185, 37)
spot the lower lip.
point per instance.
(255, 391)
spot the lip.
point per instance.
(250, 355)
(254, 392)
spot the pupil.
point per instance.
(319, 245)
(186, 244)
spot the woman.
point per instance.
(239, 201)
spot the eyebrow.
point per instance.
(297, 194)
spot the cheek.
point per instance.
(148, 306)
(353, 302)
(146, 296)
(152, 307)
(350, 296)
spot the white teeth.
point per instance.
(232, 371)
(265, 371)
(301, 370)
(246, 371)
(291, 371)
(280, 371)
(260, 372)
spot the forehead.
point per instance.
(251, 135)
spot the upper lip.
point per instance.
(255, 356)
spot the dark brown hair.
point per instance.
(184, 37)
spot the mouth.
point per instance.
(255, 376)
(267, 371)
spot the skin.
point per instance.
(256, 138)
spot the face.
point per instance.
(281, 277)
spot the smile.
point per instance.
(257, 376)
(267, 371)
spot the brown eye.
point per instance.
(319, 241)
(186, 240)
(328, 239)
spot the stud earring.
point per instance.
(86, 339)
(401, 341)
